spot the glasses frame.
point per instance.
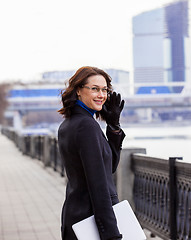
(97, 89)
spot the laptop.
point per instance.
(127, 223)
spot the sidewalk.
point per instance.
(31, 197)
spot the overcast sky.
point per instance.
(48, 35)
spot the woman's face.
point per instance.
(93, 98)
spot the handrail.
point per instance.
(156, 193)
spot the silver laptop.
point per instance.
(127, 223)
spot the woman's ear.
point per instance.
(78, 92)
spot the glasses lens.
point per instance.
(95, 89)
(104, 90)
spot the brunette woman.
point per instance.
(89, 157)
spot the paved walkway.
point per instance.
(30, 197)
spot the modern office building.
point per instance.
(161, 49)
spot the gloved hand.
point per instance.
(112, 109)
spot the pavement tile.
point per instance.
(46, 235)
(25, 227)
(10, 227)
(12, 237)
(30, 235)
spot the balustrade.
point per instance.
(155, 196)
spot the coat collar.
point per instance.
(81, 104)
(79, 110)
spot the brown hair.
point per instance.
(69, 95)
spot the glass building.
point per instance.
(161, 48)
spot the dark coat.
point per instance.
(89, 160)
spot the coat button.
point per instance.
(102, 228)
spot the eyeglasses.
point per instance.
(97, 89)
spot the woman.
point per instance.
(89, 158)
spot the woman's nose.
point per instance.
(100, 93)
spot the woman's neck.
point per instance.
(81, 104)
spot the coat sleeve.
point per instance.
(90, 145)
(115, 141)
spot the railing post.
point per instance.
(125, 174)
(55, 154)
(173, 197)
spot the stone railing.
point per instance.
(41, 147)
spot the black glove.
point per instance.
(112, 109)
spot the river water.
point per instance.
(163, 141)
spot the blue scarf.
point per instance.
(81, 104)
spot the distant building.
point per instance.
(160, 49)
(57, 76)
(120, 79)
(118, 76)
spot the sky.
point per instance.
(56, 35)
